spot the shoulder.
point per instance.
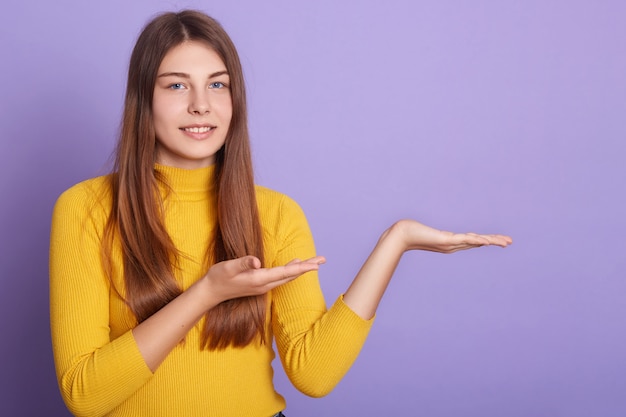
(278, 212)
(274, 203)
(286, 230)
(85, 197)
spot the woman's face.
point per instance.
(191, 107)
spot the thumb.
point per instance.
(249, 262)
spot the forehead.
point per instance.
(192, 56)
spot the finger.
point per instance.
(463, 241)
(474, 239)
(319, 260)
(498, 240)
(298, 269)
(505, 238)
(249, 262)
(273, 277)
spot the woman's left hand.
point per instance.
(418, 236)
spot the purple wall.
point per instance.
(487, 116)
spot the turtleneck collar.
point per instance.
(194, 183)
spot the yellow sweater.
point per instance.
(99, 368)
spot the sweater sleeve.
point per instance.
(95, 373)
(316, 346)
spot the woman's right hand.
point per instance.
(159, 334)
(244, 276)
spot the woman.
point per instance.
(171, 277)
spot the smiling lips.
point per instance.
(201, 129)
(198, 132)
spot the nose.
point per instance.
(199, 102)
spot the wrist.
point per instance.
(203, 292)
(396, 236)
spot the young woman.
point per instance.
(171, 277)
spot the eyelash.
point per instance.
(221, 85)
(214, 85)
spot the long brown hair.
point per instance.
(136, 219)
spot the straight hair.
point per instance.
(150, 258)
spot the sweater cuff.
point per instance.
(350, 317)
(135, 366)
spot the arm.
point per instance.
(317, 347)
(160, 333)
(95, 371)
(368, 287)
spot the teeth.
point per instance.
(197, 129)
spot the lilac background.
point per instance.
(490, 116)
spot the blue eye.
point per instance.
(177, 86)
(217, 84)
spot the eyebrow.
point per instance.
(187, 76)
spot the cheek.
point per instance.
(165, 101)
(226, 108)
(157, 112)
(161, 114)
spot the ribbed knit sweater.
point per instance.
(99, 367)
